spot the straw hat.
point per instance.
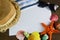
(9, 14)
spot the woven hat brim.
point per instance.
(14, 21)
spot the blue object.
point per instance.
(18, 0)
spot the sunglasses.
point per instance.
(44, 4)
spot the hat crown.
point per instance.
(4, 8)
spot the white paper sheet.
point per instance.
(30, 20)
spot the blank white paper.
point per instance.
(31, 19)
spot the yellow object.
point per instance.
(34, 36)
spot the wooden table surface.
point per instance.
(5, 36)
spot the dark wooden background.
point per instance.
(5, 36)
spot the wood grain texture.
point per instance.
(56, 36)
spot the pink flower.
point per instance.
(20, 35)
(54, 17)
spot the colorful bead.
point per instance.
(26, 34)
(45, 37)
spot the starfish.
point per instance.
(49, 29)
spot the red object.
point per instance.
(20, 35)
(54, 17)
(49, 30)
